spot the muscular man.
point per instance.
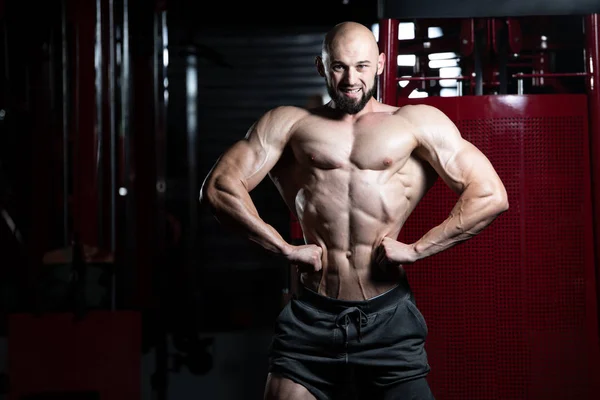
(352, 171)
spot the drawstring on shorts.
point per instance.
(351, 315)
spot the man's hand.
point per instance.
(393, 252)
(306, 257)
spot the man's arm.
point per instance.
(226, 189)
(466, 170)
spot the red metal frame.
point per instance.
(388, 88)
(533, 62)
(592, 30)
(551, 75)
(520, 47)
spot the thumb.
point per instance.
(318, 265)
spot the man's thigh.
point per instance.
(280, 388)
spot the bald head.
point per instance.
(349, 35)
(350, 62)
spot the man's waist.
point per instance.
(381, 301)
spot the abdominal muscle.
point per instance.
(348, 222)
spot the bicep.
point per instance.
(465, 165)
(457, 161)
(249, 160)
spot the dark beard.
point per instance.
(350, 106)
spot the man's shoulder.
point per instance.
(286, 112)
(279, 121)
(419, 111)
(423, 115)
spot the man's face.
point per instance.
(349, 98)
(351, 70)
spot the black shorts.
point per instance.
(353, 349)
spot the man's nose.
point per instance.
(351, 76)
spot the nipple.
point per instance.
(387, 161)
(348, 254)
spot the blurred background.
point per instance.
(115, 284)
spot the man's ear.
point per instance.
(320, 66)
(380, 63)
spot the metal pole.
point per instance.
(160, 109)
(592, 61)
(98, 123)
(66, 108)
(192, 144)
(130, 237)
(388, 41)
(520, 89)
(113, 144)
(479, 47)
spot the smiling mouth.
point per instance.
(351, 91)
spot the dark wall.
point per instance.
(484, 8)
(221, 78)
(260, 13)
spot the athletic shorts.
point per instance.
(372, 349)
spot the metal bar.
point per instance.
(467, 35)
(6, 58)
(126, 98)
(130, 236)
(113, 143)
(160, 111)
(592, 62)
(520, 87)
(66, 108)
(518, 76)
(551, 75)
(159, 73)
(432, 78)
(500, 32)
(388, 44)
(112, 120)
(192, 141)
(99, 125)
(478, 48)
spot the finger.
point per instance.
(377, 255)
(315, 259)
(381, 257)
(378, 251)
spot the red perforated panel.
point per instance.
(512, 312)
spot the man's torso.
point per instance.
(352, 183)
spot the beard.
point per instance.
(351, 106)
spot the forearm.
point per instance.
(469, 217)
(232, 205)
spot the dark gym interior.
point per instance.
(116, 284)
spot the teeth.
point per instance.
(353, 90)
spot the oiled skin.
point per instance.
(351, 183)
(352, 171)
